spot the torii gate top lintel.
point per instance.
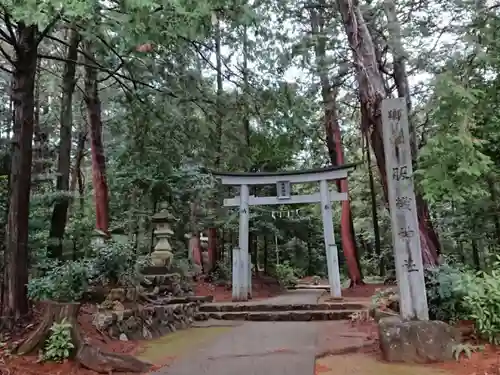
(265, 178)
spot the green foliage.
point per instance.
(116, 263)
(466, 350)
(446, 293)
(286, 274)
(63, 282)
(385, 297)
(184, 266)
(483, 301)
(223, 270)
(59, 345)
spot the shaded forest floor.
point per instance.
(262, 287)
(485, 362)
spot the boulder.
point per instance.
(117, 294)
(416, 341)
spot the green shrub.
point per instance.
(64, 282)
(117, 263)
(183, 266)
(445, 293)
(58, 346)
(286, 274)
(483, 302)
(223, 270)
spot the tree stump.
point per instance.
(88, 356)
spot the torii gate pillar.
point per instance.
(242, 276)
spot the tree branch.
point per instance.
(49, 27)
(8, 24)
(7, 56)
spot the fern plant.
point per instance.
(466, 349)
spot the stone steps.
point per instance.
(266, 307)
(277, 316)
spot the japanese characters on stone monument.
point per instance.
(402, 204)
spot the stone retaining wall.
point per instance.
(146, 322)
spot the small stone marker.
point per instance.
(402, 204)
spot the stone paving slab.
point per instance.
(290, 297)
(283, 348)
(233, 307)
(262, 316)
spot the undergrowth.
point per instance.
(59, 345)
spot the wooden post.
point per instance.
(330, 247)
(243, 240)
(402, 204)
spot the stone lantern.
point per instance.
(162, 254)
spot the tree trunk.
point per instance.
(88, 356)
(493, 197)
(76, 174)
(20, 178)
(246, 115)
(373, 197)
(403, 88)
(475, 255)
(266, 255)
(399, 66)
(334, 145)
(96, 145)
(194, 242)
(212, 231)
(372, 92)
(220, 92)
(60, 212)
(212, 246)
(39, 137)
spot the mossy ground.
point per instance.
(175, 345)
(364, 364)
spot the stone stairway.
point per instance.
(255, 311)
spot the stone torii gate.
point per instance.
(241, 275)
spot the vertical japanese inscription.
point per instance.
(402, 204)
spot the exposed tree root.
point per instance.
(106, 363)
(88, 356)
(355, 284)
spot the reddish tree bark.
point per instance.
(212, 246)
(212, 231)
(96, 146)
(371, 94)
(15, 303)
(334, 144)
